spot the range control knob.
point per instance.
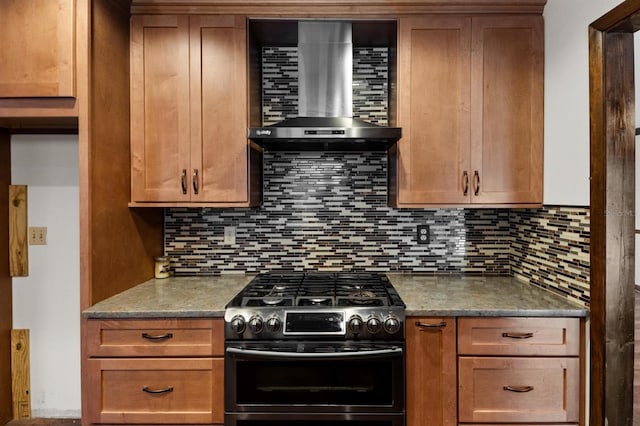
(238, 324)
(273, 324)
(373, 325)
(255, 324)
(391, 325)
(355, 324)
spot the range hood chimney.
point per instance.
(325, 68)
(325, 91)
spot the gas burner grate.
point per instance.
(324, 289)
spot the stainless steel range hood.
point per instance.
(325, 87)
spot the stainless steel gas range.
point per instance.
(315, 349)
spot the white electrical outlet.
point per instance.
(229, 235)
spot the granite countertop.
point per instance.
(479, 296)
(424, 296)
(186, 297)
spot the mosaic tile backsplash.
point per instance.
(551, 249)
(328, 211)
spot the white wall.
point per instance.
(47, 302)
(566, 92)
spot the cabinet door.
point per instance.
(434, 92)
(38, 49)
(219, 144)
(506, 109)
(160, 162)
(155, 390)
(431, 371)
(513, 390)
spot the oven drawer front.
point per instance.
(290, 382)
(156, 337)
(519, 336)
(163, 391)
(502, 390)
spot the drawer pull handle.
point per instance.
(518, 388)
(157, 337)
(441, 324)
(518, 335)
(157, 391)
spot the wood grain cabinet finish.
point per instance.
(38, 48)
(157, 338)
(526, 389)
(156, 390)
(470, 94)
(520, 370)
(519, 336)
(189, 110)
(431, 371)
(155, 371)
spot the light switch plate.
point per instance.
(37, 235)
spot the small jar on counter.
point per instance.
(162, 267)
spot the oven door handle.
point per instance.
(304, 355)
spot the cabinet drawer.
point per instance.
(162, 337)
(164, 391)
(519, 336)
(532, 390)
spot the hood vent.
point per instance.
(325, 92)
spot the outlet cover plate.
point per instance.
(423, 234)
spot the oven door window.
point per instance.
(315, 382)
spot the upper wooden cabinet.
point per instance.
(38, 48)
(189, 111)
(470, 97)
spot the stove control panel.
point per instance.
(243, 324)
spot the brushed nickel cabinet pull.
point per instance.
(476, 182)
(518, 335)
(195, 181)
(157, 337)
(440, 324)
(465, 178)
(183, 181)
(156, 391)
(519, 389)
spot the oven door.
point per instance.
(314, 377)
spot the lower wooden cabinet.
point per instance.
(509, 389)
(156, 391)
(154, 371)
(431, 371)
(520, 371)
(494, 371)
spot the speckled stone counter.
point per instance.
(479, 296)
(185, 297)
(190, 297)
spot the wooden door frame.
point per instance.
(612, 123)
